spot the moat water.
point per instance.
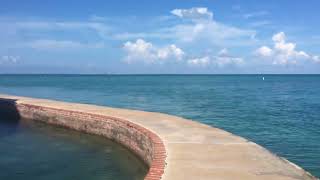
(37, 151)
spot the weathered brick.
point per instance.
(143, 142)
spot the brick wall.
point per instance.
(143, 142)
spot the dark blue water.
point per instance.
(37, 151)
(281, 113)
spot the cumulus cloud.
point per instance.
(201, 61)
(193, 13)
(283, 52)
(140, 50)
(8, 59)
(223, 58)
(264, 51)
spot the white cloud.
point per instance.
(7, 59)
(316, 59)
(60, 45)
(147, 52)
(207, 30)
(223, 58)
(223, 52)
(193, 13)
(283, 53)
(202, 61)
(212, 32)
(201, 28)
(264, 51)
(279, 37)
(142, 51)
(170, 51)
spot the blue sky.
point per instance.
(194, 36)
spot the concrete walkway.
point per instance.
(194, 150)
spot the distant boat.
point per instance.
(263, 78)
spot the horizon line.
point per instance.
(159, 74)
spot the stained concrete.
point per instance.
(194, 150)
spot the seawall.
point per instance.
(174, 148)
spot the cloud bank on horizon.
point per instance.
(184, 40)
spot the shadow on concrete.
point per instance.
(9, 116)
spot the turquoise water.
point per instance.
(281, 113)
(37, 151)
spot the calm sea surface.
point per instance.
(281, 113)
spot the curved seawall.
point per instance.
(173, 147)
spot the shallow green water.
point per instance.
(281, 113)
(37, 151)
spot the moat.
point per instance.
(35, 150)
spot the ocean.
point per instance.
(281, 112)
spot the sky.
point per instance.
(160, 37)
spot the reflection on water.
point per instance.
(37, 151)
